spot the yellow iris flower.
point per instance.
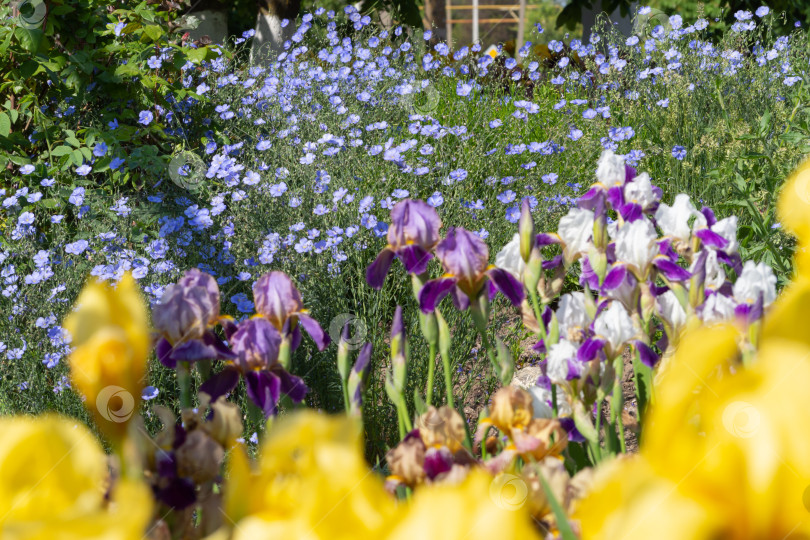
(110, 333)
(312, 482)
(311, 477)
(794, 213)
(53, 477)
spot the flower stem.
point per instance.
(621, 435)
(448, 379)
(616, 402)
(345, 386)
(204, 368)
(431, 374)
(554, 400)
(404, 411)
(537, 314)
(596, 449)
(184, 382)
(402, 431)
(490, 351)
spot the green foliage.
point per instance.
(546, 14)
(69, 61)
(749, 182)
(571, 15)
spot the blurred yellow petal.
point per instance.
(102, 305)
(629, 501)
(311, 477)
(793, 207)
(52, 481)
(110, 332)
(701, 356)
(241, 485)
(255, 528)
(473, 510)
(724, 453)
(788, 316)
(106, 359)
(48, 462)
(110, 374)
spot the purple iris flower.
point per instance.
(412, 235)
(187, 312)
(279, 301)
(171, 489)
(465, 257)
(256, 344)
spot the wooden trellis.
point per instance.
(515, 13)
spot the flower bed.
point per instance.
(258, 275)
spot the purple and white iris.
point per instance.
(645, 273)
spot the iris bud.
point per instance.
(358, 377)
(598, 261)
(479, 309)
(399, 351)
(343, 353)
(553, 331)
(526, 230)
(534, 269)
(429, 327)
(445, 339)
(647, 302)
